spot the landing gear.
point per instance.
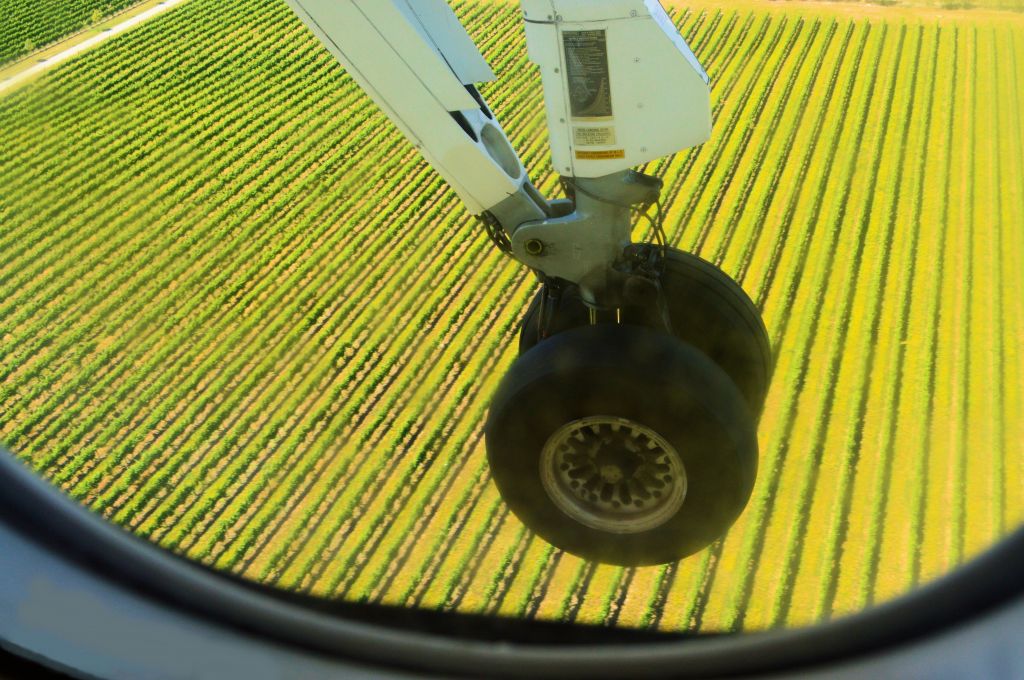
(627, 436)
(622, 444)
(704, 306)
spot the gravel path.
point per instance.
(117, 29)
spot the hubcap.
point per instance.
(613, 474)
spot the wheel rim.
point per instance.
(613, 474)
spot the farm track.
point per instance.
(29, 26)
(246, 322)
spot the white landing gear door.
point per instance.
(621, 85)
(419, 65)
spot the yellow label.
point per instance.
(600, 155)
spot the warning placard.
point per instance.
(586, 66)
(593, 136)
(613, 154)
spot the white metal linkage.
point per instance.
(621, 88)
(416, 61)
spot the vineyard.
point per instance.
(241, 317)
(1006, 5)
(29, 25)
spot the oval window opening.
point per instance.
(501, 151)
(245, 324)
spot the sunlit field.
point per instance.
(242, 318)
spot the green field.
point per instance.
(1005, 5)
(999, 5)
(242, 318)
(30, 25)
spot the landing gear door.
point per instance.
(446, 34)
(621, 85)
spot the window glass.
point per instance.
(243, 319)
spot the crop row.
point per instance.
(28, 26)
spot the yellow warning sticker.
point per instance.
(610, 155)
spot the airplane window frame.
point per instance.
(445, 642)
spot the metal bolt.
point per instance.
(535, 247)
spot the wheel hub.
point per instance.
(613, 474)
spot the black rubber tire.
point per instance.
(708, 310)
(652, 379)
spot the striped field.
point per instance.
(242, 318)
(29, 25)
